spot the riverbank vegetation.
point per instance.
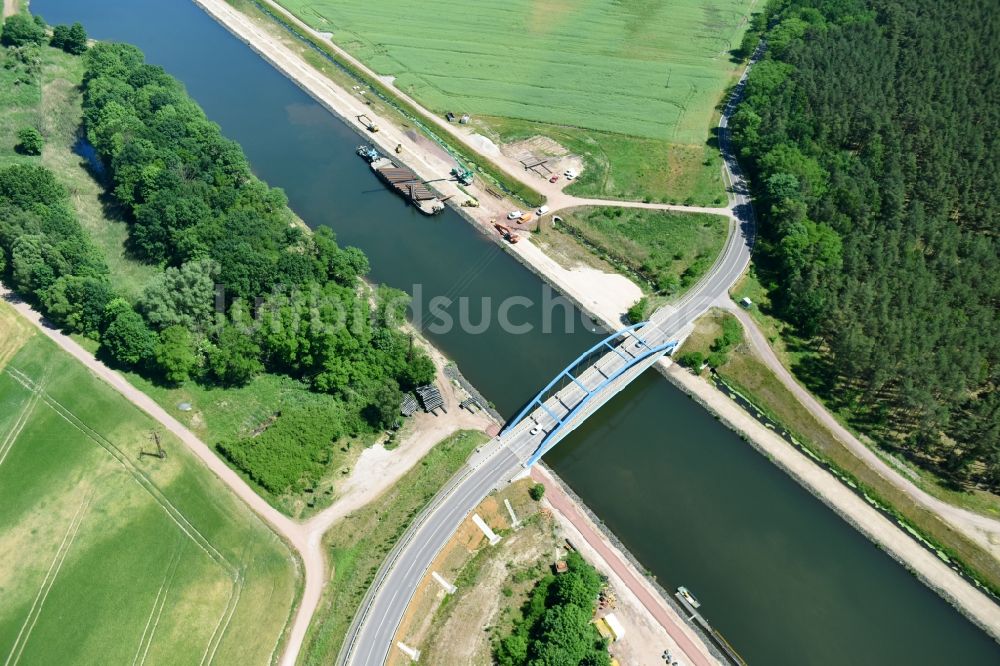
(362, 540)
(233, 286)
(872, 151)
(155, 558)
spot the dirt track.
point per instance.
(375, 471)
(983, 530)
(841, 499)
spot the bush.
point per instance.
(537, 492)
(293, 452)
(71, 39)
(637, 313)
(21, 29)
(30, 141)
(555, 626)
(693, 360)
(716, 359)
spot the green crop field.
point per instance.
(640, 68)
(110, 558)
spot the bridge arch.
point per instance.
(642, 352)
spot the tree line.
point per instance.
(869, 131)
(244, 287)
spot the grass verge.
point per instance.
(359, 543)
(664, 252)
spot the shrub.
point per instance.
(127, 338)
(30, 141)
(21, 29)
(293, 452)
(537, 492)
(71, 39)
(637, 313)
(693, 360)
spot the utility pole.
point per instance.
(160, 452)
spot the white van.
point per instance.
(542, 211)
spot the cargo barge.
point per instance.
(403, 181)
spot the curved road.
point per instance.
(370, 637)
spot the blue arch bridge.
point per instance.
(582, 387)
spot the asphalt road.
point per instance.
(370, 637)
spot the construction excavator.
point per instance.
(462, 175)
(506, 232)
(368, 123)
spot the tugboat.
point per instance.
(368, 153)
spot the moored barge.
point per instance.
(403, 181)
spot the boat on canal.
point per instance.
(403, 180)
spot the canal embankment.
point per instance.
(849, 504)
(599, 296)
(689, 498)
(608, 295)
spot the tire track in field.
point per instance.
(22, 419)
(50, 578)
(140, 477)
(235, 574)
(227, 617)
(157, 609)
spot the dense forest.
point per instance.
(870, 132)
(245, 288)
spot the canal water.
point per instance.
(779, 574)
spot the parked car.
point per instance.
(554, 178)
(514, 214)
(542, 211)
(570, 174)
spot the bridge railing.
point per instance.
(552, 437)
(542, 396)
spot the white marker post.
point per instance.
(513, 518)
(448, 587)
(412, 653)
(490, 534)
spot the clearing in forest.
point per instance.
(625, 68)
(115, 557)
